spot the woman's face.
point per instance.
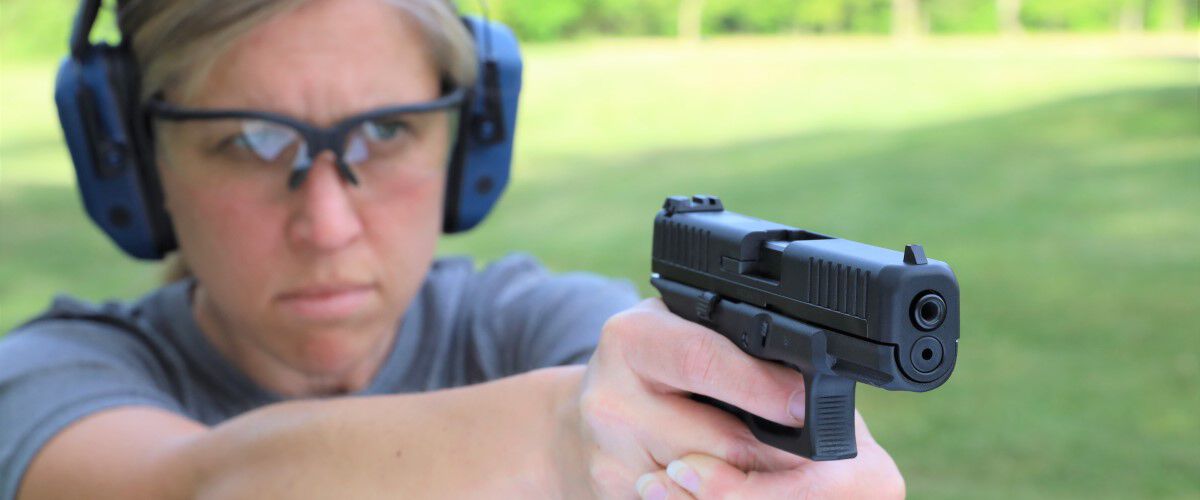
(316, 277)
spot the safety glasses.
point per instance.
(389, 143)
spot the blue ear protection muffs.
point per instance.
(108, 135)
(479, 169)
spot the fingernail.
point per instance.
(796, 405)
(684, 476)
(650, 489)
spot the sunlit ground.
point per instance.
(1060, 177)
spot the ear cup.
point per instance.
(96, 94)
(482, 156)
(125, 80)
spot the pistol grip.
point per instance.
(828, 431)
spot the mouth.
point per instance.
(326, 302)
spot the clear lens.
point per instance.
(403, 146)
(231, 151)
(382, 153)
(384, 139)
(268, 140)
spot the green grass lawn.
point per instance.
(1063, 186)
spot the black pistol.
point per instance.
(838, 311)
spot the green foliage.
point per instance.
(818, 16)
(546, 20)
(961, 16)
(868, 16)
(39, 29)
(541, 19)
(1071, 15)
(1172, 14)
(732, 16)
(630, 17)
(33, 29)
(775, 16)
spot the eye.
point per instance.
(259, 141)
(386, 129)
(236, 141)
(235, 144)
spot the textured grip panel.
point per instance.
(834, 429)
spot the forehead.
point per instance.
(324, 60)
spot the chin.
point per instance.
(336, 352)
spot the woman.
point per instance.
(324, 284)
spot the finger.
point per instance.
(873, 470)
(675, 355)
(658, 486)
(708, 477)
(702, 428)
(872, 474)
(705, 476)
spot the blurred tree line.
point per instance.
(38, 28)
(556, 19)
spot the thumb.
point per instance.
(705, 476)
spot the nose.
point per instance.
(325, 218)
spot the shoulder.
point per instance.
(74, 360)
(74, 332)
(518, 295)
(517, 277)
(470, 324)
(459, 279)
(461, 269)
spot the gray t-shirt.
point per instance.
(464, 326)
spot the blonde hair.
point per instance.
(175, 43)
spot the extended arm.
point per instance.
(556, 432)
(489, 440)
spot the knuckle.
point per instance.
(614, 334)
(622, 327)
(613, 327)
(618, 321)
(608, 475)
(698, 363)
(602, 412)
(632, 317)
(741, 451)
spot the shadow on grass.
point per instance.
(1073, 227)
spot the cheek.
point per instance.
(404, 229)
(223, 231)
